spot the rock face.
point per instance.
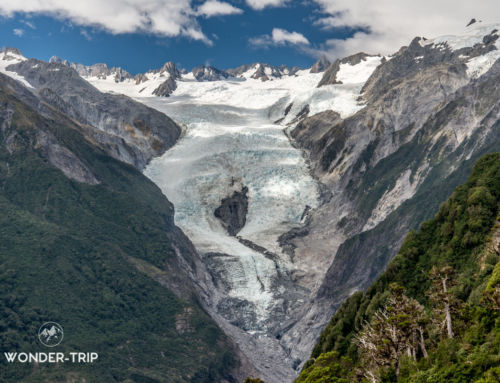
(209, 73)
(14, 51)
(262, 71)
(321, 65)
(169, 85)
(166, 88)
(330, 75)
(170, 68)
(431, 111)
(127, 130)
(233, 211)
(99, 70)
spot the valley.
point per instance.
(296, 187)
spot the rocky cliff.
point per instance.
(129, 131)
(430, 111)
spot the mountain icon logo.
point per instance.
(50, 334)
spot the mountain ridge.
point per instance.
(385, 138)
(473, 239)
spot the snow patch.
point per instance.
(8, 58)
(477, 66)
(359, 73)
(473, 35)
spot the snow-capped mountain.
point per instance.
(329, 166)
(97, 70)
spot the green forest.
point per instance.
(85, 256)
(433, 315)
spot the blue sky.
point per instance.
(231, 35)
(139, 35)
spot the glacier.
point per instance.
(224, 148)
(235, 136)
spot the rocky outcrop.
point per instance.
(166, 88)
(209, 73)
(315, 134)
(65, 160)
(170, 68)
(388, 167)
(140, 78)
(126, 129)
(262, 71)
(11, 50)
(422, 56)
(321, 65)
(41, 137)
(99, 70)
(170, 71)
(233, 210)
(330, 75)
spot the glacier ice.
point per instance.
(226, 146)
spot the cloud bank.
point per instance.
(383, 25)
(162, 17)
(393, 23)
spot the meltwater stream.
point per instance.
(224, 149)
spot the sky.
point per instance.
(138, 35)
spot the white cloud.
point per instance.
(86, 34)
(217, 8)
(161, 17)
(393, 23)
(279, 37)
(18, 32)
(28, 24)
(261, 4)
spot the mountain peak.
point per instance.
(320, 65)
(11, 50)
(170, 68)
(209, 73)
(472, 21)
(58, 60)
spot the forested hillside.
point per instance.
(89, 242)
(433, 315)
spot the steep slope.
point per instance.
(463, 236)
(428, 117)
(89, 242)
(127, 130)
(387, 140)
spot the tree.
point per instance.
(445, 304)
(492, 292)
(328, 368)
(411, 314)
(396, 329)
